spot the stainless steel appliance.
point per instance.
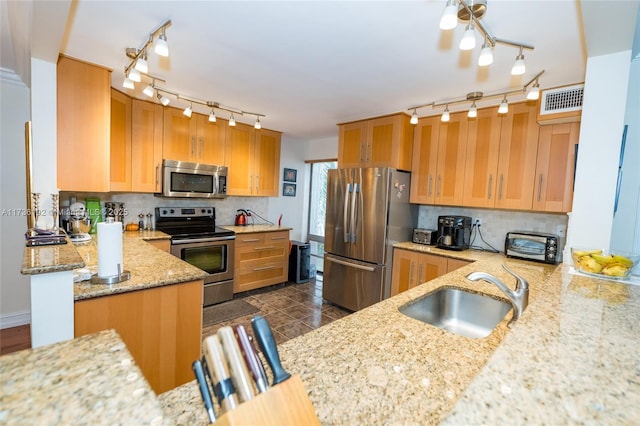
(193, 180)
(196, 239)
(454, 232)
(368, 211)
(425, 236)
(536, 246)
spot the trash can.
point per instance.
(299, 262)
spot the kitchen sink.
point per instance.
(458, 311)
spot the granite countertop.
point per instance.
(53, 258)
(249, 229)
(89, 380)
(571, 357)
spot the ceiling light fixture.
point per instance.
(134, 75)
(161, 47)
(212, 116)
(128, 84)
(473, 111)
(519, 67)
(449, 18)
(414, 117)
(232, 120)
(468, 41)
(486, 55)
(149, 90)
(476, 96)
(141, 63)
(534, 93)
(163, 99)
(138, 57)
(257, 125)
(188, 110)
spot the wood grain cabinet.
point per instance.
(555, 167)
(377, 142)
(193, 139)
(253, 159)
(83, 126)
(120, 142)
(411, 268)
(161, 326)
(425, 160)
(261, 259)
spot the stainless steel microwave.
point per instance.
(536, 246)
(193, 180)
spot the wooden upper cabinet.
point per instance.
(483, 144)
(518, 150)
(120, 146)
(146, 146)
(193, 139)
(267, 158)
(553, 190)
(449, 179)
(378, 142)
(83, 126)
(425, 160)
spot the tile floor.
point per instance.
(290, 309)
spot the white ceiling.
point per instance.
(308, 65)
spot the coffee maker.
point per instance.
(454, 232)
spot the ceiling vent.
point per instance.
(562, 104)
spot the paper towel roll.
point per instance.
(109, 249)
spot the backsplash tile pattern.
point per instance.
(496, 223)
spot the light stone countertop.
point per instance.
(571, 358)
(51, 258)
(89, 380)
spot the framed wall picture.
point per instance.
(290, 175)
(289, 189)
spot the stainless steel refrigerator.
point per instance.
(368, 211)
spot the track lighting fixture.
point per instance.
(504, 106)
(134, 75)
(188, 110)
(212, 116)
(519, 67)
(468, 41)
(161, 47)
(149, 90)
(141, 63)
(128, 84)
(476, 96)
(257, 125)
(445, 114)
(486, 55)
(414, 117)
(163, 99)
(232, 120)
(449, 18)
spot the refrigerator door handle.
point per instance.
(351, 265)
(354, 215)
(345, 215)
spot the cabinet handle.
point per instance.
(257, 184)
(429, 185)
(279, 238)
(253, 240)
(157, 174)
(411, 275)
(251, 185)
(193, 146)
(419, 274)
(264, 268)
(264, 248)
(360, 152)
(540, 187)
(489, 187)
(366, 153)
(438, 186)
(500, 187)
(201, 145)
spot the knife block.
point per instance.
(286, 403)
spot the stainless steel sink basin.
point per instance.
(458, 311)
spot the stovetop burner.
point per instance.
(189, 222)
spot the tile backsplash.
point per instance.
(496, 223)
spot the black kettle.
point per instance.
(241, 217)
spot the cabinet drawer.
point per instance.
(260, 275)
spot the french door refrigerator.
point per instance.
(368, 211)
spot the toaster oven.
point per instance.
(425, 236)
(536, 246)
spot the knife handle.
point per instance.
(267, 345)
(222, 383)
(251, 358)
(239, 373)
(204, 389)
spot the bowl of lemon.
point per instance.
(611, 264)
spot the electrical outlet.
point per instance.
(477, 221)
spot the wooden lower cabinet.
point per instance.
(161, 326)
(261, 259)
(411, 268)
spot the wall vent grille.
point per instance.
(564, 99)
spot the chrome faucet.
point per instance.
(519, 297)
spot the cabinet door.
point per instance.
(389, 142)
(210, 144)
(553, 191)
(120, 146)
(267, 158)
(452, 139)
(518, 150)
(239, 154)
(425, 160)
(179, 137)
(403, 272)
(483, 144)
(83, 126)
(351, 144)
(146, 146)
(453, 264)
(430, 267)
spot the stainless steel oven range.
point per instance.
(197, 240)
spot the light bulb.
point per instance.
(445, 115)
(468, 41)
(163, 99)
(134, 75)
(534, 93)
(148, 90)
(187, 111)
(232, 120)
(128, 84)
(504, 106)
(161, 47)
(518, 66)
(212, 117)
(473, 111)
(414, 117)
(257, 124)
(141, 65)
(486, 55)
(449, 18)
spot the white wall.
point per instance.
(603, 113)
(14, 287)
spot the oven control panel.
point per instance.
(184, 212)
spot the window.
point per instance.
(318, 210)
